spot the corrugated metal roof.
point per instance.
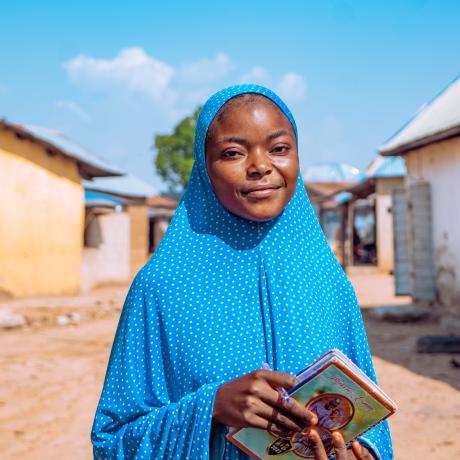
(343, 197)
(332, 172)
(380, 167)
(387, 167)
(128, 186)
(101, 199)
(89, 164)
(434, 121)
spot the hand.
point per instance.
(357, 451)
(253, 401)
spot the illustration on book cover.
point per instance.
(333, 410)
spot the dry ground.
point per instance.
(51, 377)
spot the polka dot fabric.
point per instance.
(220, 296)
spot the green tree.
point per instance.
(174, 159)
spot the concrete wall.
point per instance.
(139, 236)
(41, 220)
(110, 262)
(439, 164)
(384, 218)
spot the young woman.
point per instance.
(244, 276)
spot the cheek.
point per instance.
(289, 169)
(226, 177)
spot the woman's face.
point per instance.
(252, 161)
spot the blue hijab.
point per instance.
(220, 296)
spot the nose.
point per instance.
(259, 164)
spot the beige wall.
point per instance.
(139, 236)
(439, 164)
(110, 261)
(41, 220)
(384, 221)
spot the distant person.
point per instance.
(243, 276)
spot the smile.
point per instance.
(261, 192)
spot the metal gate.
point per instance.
(421, 241)
(413, 242)
(400, 243)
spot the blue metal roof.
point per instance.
(387, 167)
(129, 186)
(342, 197)
(101, 199)
(332, 172)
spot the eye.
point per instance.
(230, 154)
(282, 148)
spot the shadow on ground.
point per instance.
(396, 343)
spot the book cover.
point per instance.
(342, 397)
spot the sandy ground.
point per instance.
(51, 376)
(426, 387)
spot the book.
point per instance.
(341, 395)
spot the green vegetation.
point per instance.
(174, 158)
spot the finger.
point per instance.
(277, 379)
(299, 412)
(317, 445)
(273, 414)
(257, 421)
(293, 408)
(360, 452)
(279, 431)
(339, 445)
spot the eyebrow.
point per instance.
(241, 140)
(274, 135)
(238, 140)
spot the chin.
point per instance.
(262, 216)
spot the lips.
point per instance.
(261, 191)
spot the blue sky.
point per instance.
(113, 74)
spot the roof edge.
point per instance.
(86, 169)
(421, 142)
(130, 196)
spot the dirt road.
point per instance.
(51, 378)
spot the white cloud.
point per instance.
(132, 68)
(292, 87)
(256, 75)
(206, 70)
(74, 108)
(144, 95)
(174, 90)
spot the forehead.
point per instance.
(248, 107)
